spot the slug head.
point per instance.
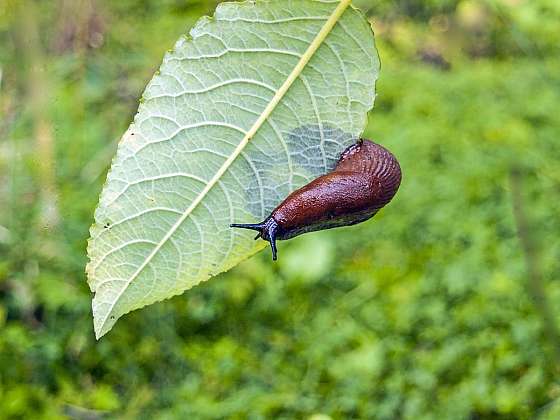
(267, 230)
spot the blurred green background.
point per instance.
(439, 308)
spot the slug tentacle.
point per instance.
(267, 230)
(256, 226)
(365, 179)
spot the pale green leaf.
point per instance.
(258, 101)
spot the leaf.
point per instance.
(260, 100)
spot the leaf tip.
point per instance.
(98, 335)
(104, 318)
(103, 326)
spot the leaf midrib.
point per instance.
(298, 69)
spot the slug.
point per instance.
(365, 179)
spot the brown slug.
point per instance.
(365, 179)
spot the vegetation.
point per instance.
(443, 306)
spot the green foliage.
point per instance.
(420, 313)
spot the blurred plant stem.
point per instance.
(6, 109)
(38, 91)
(534, 282)
(80, 29)
(80, 26)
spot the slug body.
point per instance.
(365, 179)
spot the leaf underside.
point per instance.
(258, 101)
